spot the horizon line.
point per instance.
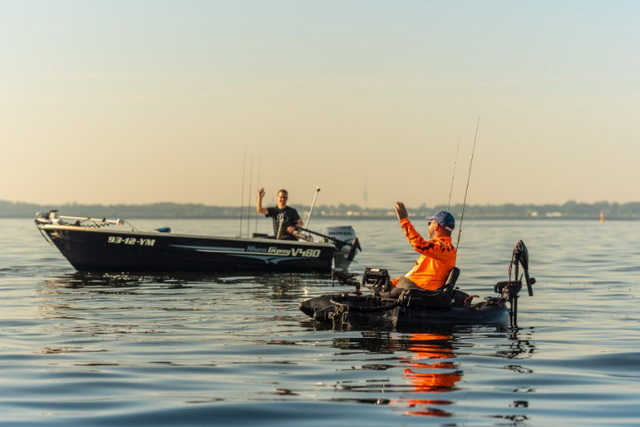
(364, 207)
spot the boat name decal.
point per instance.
(309, 253)
(131, 241)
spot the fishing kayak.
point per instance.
(414, 308)
(365, 310)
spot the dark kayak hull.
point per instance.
(323, 310)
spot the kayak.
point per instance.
(361, 310)
(415, 308)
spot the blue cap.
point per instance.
(445, 219)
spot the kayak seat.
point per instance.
(450, 283)
(441, 298)
(428, 299)
(459, 298)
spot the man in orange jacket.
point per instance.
(437, 255)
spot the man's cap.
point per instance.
(443, 218)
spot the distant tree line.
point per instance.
(568, 210)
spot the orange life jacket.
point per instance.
(437, 258)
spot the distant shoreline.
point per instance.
(567, 211)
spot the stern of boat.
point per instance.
(347, 248)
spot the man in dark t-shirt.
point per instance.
(284, 217)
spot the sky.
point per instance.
(193, 101)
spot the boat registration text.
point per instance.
(131, 241)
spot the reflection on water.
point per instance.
(114, 280)
(429, 369)
(92, 307)
(239, 288)
(427, 365)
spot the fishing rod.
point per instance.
(249, 196)
(453, 176)
(255, 230)
(464, 203)
(244, 165)
(315, 197)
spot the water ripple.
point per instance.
(90, 349)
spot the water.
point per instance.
(235, 350)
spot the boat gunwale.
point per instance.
(106, 230)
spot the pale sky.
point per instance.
(152, 101)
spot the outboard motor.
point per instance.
(346, 252)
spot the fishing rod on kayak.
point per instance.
(453, 175)
(315, 197)
(464, 203)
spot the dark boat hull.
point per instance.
(108, 250)
(322, 310)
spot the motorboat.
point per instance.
(114, 245)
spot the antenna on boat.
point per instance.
(315, 197)
(453, 175)
(464, 203)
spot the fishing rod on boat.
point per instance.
(244, 166)
(249, 196)
(464, 203)
(280, 228)
(315, 197)
(255, 229)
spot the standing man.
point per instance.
(284, 217)
(437, 256)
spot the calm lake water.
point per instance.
(235, 350)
